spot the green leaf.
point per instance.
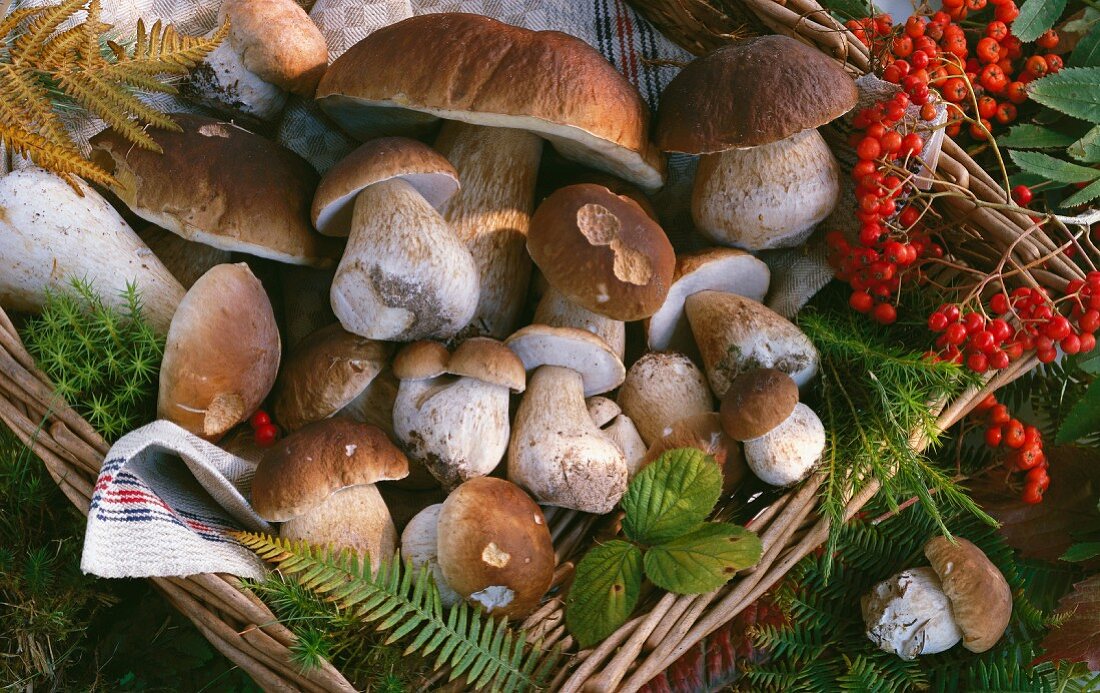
(671, 496)
(1084, 419)
(1036, 16)
(1090, 364)
(1034, 137)
(1086, 194)
(1073, 91)
(604, 592)
(1087, 149)
(1082, 552)
(851, 9)
(703, 560)
(1053, 169)
(1087, 51)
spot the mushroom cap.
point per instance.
(420, 545)
(278, 42)
(494, 546)
(704, 432)
(421, 360)
(403, 77)
(788, 453)
(385, 158)
(713, 269)
(979, 594)
(555, 310)
(602, 251)
(326, 371)
(749, 93)
(221, 185)
(568, 347)
(602, 410)
(660, 389)
(221, 355)
(909, 615)
(758, 400)
(483, 358)
(316, 461)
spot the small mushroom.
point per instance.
(320, 483)
(557, 453)
(494, 547)
(420, 546)
(660, 389)
(704, 432)
(619, 429)
(221, 355)
(451, 411)
(928, 610)
(783, 438)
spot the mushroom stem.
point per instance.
(492, 213)
(372, 531)
(558, 311)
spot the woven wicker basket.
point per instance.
(241, 627)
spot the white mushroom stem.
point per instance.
(420, 545)
(329, 523)
(788, 453)
(404, 275)
(556, 310)
(909, 615)
(769, 196)
(492, 214)
(223, 82)
(623, 433)
(557, 453)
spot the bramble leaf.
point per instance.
(1036, 16)
(671, 496)
(703, 560)
(1054, 169)
(1034, 137)
(1077, 639)
(604, 592)
(1073, 91)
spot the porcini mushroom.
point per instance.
(660, 389)
(557, 453)
(555, 310)
(404, 78)
(404, 274)
(619, 429)
(320, 483)
(222, 353)
(783, 438)
(420, 546)
(927, 610)
(703, 432)
(751, 108)
(186, 260)
(494, 547)
(50, 234)
(451, 411)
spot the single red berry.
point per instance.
(1088, 342)
(1029, 457)
(954, 90)
(998, 31)
(937, 322)
(911, 145)
(955, 333)
(1032, 495)
(987, 106)
(989, 50)
(1058, 328)
(868, 148)
(1039, 477)
(1007, 12)
(993, 436)
(260, 418)
(1054, 63)
(1016, 92)
(266, 435)
(1048, 40)
(861, 301)
(1006, 113)
(1014, 434)
(1071, 344)
(977, 362)
(999, 414)
(1037, 65)
(1022, 195)
(885, 314)
(928, 112)
(988, 402)
(993, 78)
(999, 359)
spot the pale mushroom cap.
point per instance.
(789, 452)
(385, 158)
(602, 410)
(327, 370)
(714, 269)
(355, 518)
(909, 615)
(567, 347)
(660, 389)
(980, 596)
(419, 544)
(278, 42)
(221, 355)
(757, 401)
(314, 462)
(494, 547)
(402, 77)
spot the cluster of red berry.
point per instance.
(1025, 444)
(263, 430)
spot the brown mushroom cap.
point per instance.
(421, 360)
(980, 595)
(220, 185)
(749, 93)
(704, 432)
(314, 462)
(403, 77)
(757, 401)
(494, 546)
(385, 158)
(488, 360)
(602, 251)
(568, 347)
(278, 42)
(327, 370)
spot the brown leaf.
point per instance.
(1078, 638)
(1043, 531)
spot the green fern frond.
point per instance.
(404, 604)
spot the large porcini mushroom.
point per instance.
(660, 389)
(222, 353)
(404, 275)
(927, 610)
(736, 333)
(404, 78)
(451, 411)
(494, 547)
(50, 234)
(327, 371)
(320, 483)
(783, 438)
(751, 108)
(220, 185)
(557, 453)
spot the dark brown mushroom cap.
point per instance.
(494, 546)
(757, 401)
(980, 596)
(751, 92)
(314, 462)
(602, 251)
(483, 358)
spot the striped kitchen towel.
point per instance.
(162, 505)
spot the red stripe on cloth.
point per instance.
(625, 30)
(130, 496)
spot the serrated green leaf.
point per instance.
(1083, 419)
(1084, 195)
(703, 560)
(1036, 16)
(1082, 552)
(1073, 91)
(1087, 149)
(1034, 137)
(605, 591)
(851, 9)
(1090, 364)
(1052, 168)
(671, 496)
(1087, 51)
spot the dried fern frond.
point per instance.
(43, 64)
